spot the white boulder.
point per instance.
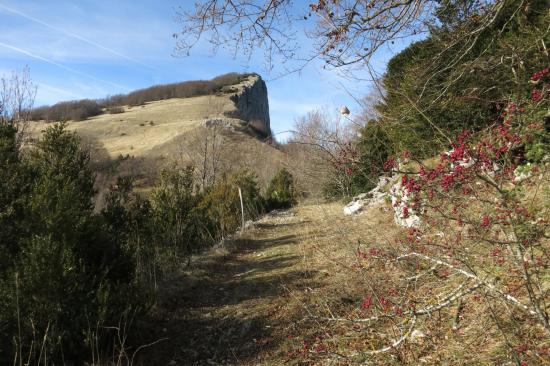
(353, 207)
(374, 196)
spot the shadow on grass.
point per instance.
(221, 312)
(273, 226)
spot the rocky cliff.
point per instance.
(251, 103)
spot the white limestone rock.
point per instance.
(373, 197)
(353, 207)
(404, 215)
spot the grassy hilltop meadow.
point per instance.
(170, 226)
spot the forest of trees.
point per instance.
(453, 81)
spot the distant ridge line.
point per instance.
(78, 110)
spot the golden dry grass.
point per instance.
(263, 299)
(141, 129)
(245, 303)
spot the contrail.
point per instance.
(20, 50)
(60, 91)
(76, 36)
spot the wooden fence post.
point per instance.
(242, 208)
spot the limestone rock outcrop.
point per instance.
(251, 103)
(373, 197)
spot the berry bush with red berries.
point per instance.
(480, 259)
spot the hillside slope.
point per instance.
(142, 140)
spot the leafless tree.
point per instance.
(206, 147)
(368, 106)
(315, 146)
(342, 33)
(17, 96)
(207, 159)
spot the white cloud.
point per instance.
(87, 37)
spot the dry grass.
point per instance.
(245, 304)
(141, 129)
(264, 299)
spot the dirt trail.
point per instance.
(245, 302)
(222, 310)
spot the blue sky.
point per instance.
(94, 48)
